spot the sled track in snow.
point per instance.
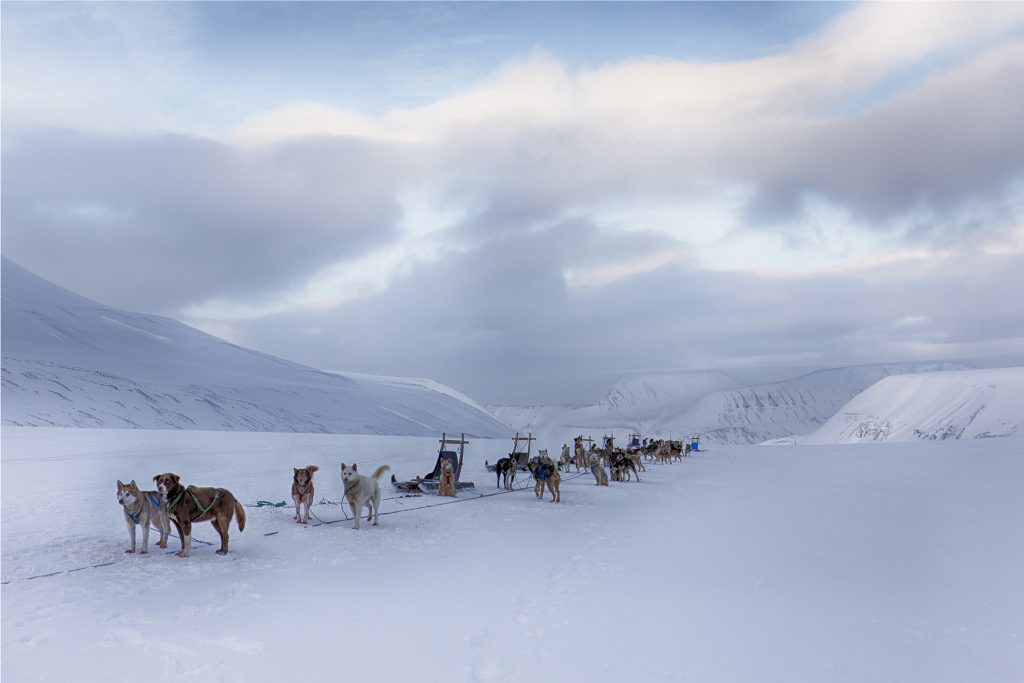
(478, 496)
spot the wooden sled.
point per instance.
(522, 457)
(431, 481)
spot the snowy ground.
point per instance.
(897, 562)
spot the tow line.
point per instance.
(478, 496)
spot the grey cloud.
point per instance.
(925, 155)
(184, 220)
(500, 318)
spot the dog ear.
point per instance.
(176, 478)
(120, 485)
(296, 470)
(156, 477)
(355, 467)
(133, 484)
(342, 465)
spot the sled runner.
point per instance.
(431, 481)
(522, 457)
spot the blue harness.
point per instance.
(135, 517)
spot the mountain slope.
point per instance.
(942, 405)
(795, 406)
(71, 362)
(722, 406)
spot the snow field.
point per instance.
(840, 563)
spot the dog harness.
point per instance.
(135, 517)
(199, 505)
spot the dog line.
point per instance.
(273, 533)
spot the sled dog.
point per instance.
(546, 473)
(506, 467)
(302, 491)
(600, 476)
(362, 492)
(143, 508)
(187, 505)
(566, 459)
(446, 486)
(580, 453)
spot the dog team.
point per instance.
(187, 505)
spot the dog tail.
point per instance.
(380, 470)
(240, 511)
(312, 468)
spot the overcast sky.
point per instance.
(492, 194)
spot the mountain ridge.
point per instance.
(70, 361)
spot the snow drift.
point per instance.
(71, 362)
(942, 405)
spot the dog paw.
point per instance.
(143, 552)
(222, 552)
(130, 550)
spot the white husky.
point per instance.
(362, 491)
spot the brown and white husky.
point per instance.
(302, 491)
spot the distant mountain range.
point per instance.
(717, 405)
(940, 405)
(71, 362)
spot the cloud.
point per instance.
(187, 219)
(818, 204)
(504, 315)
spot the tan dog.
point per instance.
(545, 473)
(302, 491)
(198, 504)
(143, 508)
(447, 483)
(600, 476)
(580, 453)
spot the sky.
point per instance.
(503, 196)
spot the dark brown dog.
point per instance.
(198, 504)
(302, 491)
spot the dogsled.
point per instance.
(431, 481)
(521, 457)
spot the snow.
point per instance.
(727, 407)
(882, 562)
(72, 362)
(943, 405)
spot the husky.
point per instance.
(143, 508)
(545, 472)
(580, 453)
(506, 467)
(566, 459)
(302, 491)
(621, 465)
(362, 492)
(600, 476)
(446, 486)
(198, 504)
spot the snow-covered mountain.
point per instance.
(71, 362)
(942, 405)
(718, 405)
